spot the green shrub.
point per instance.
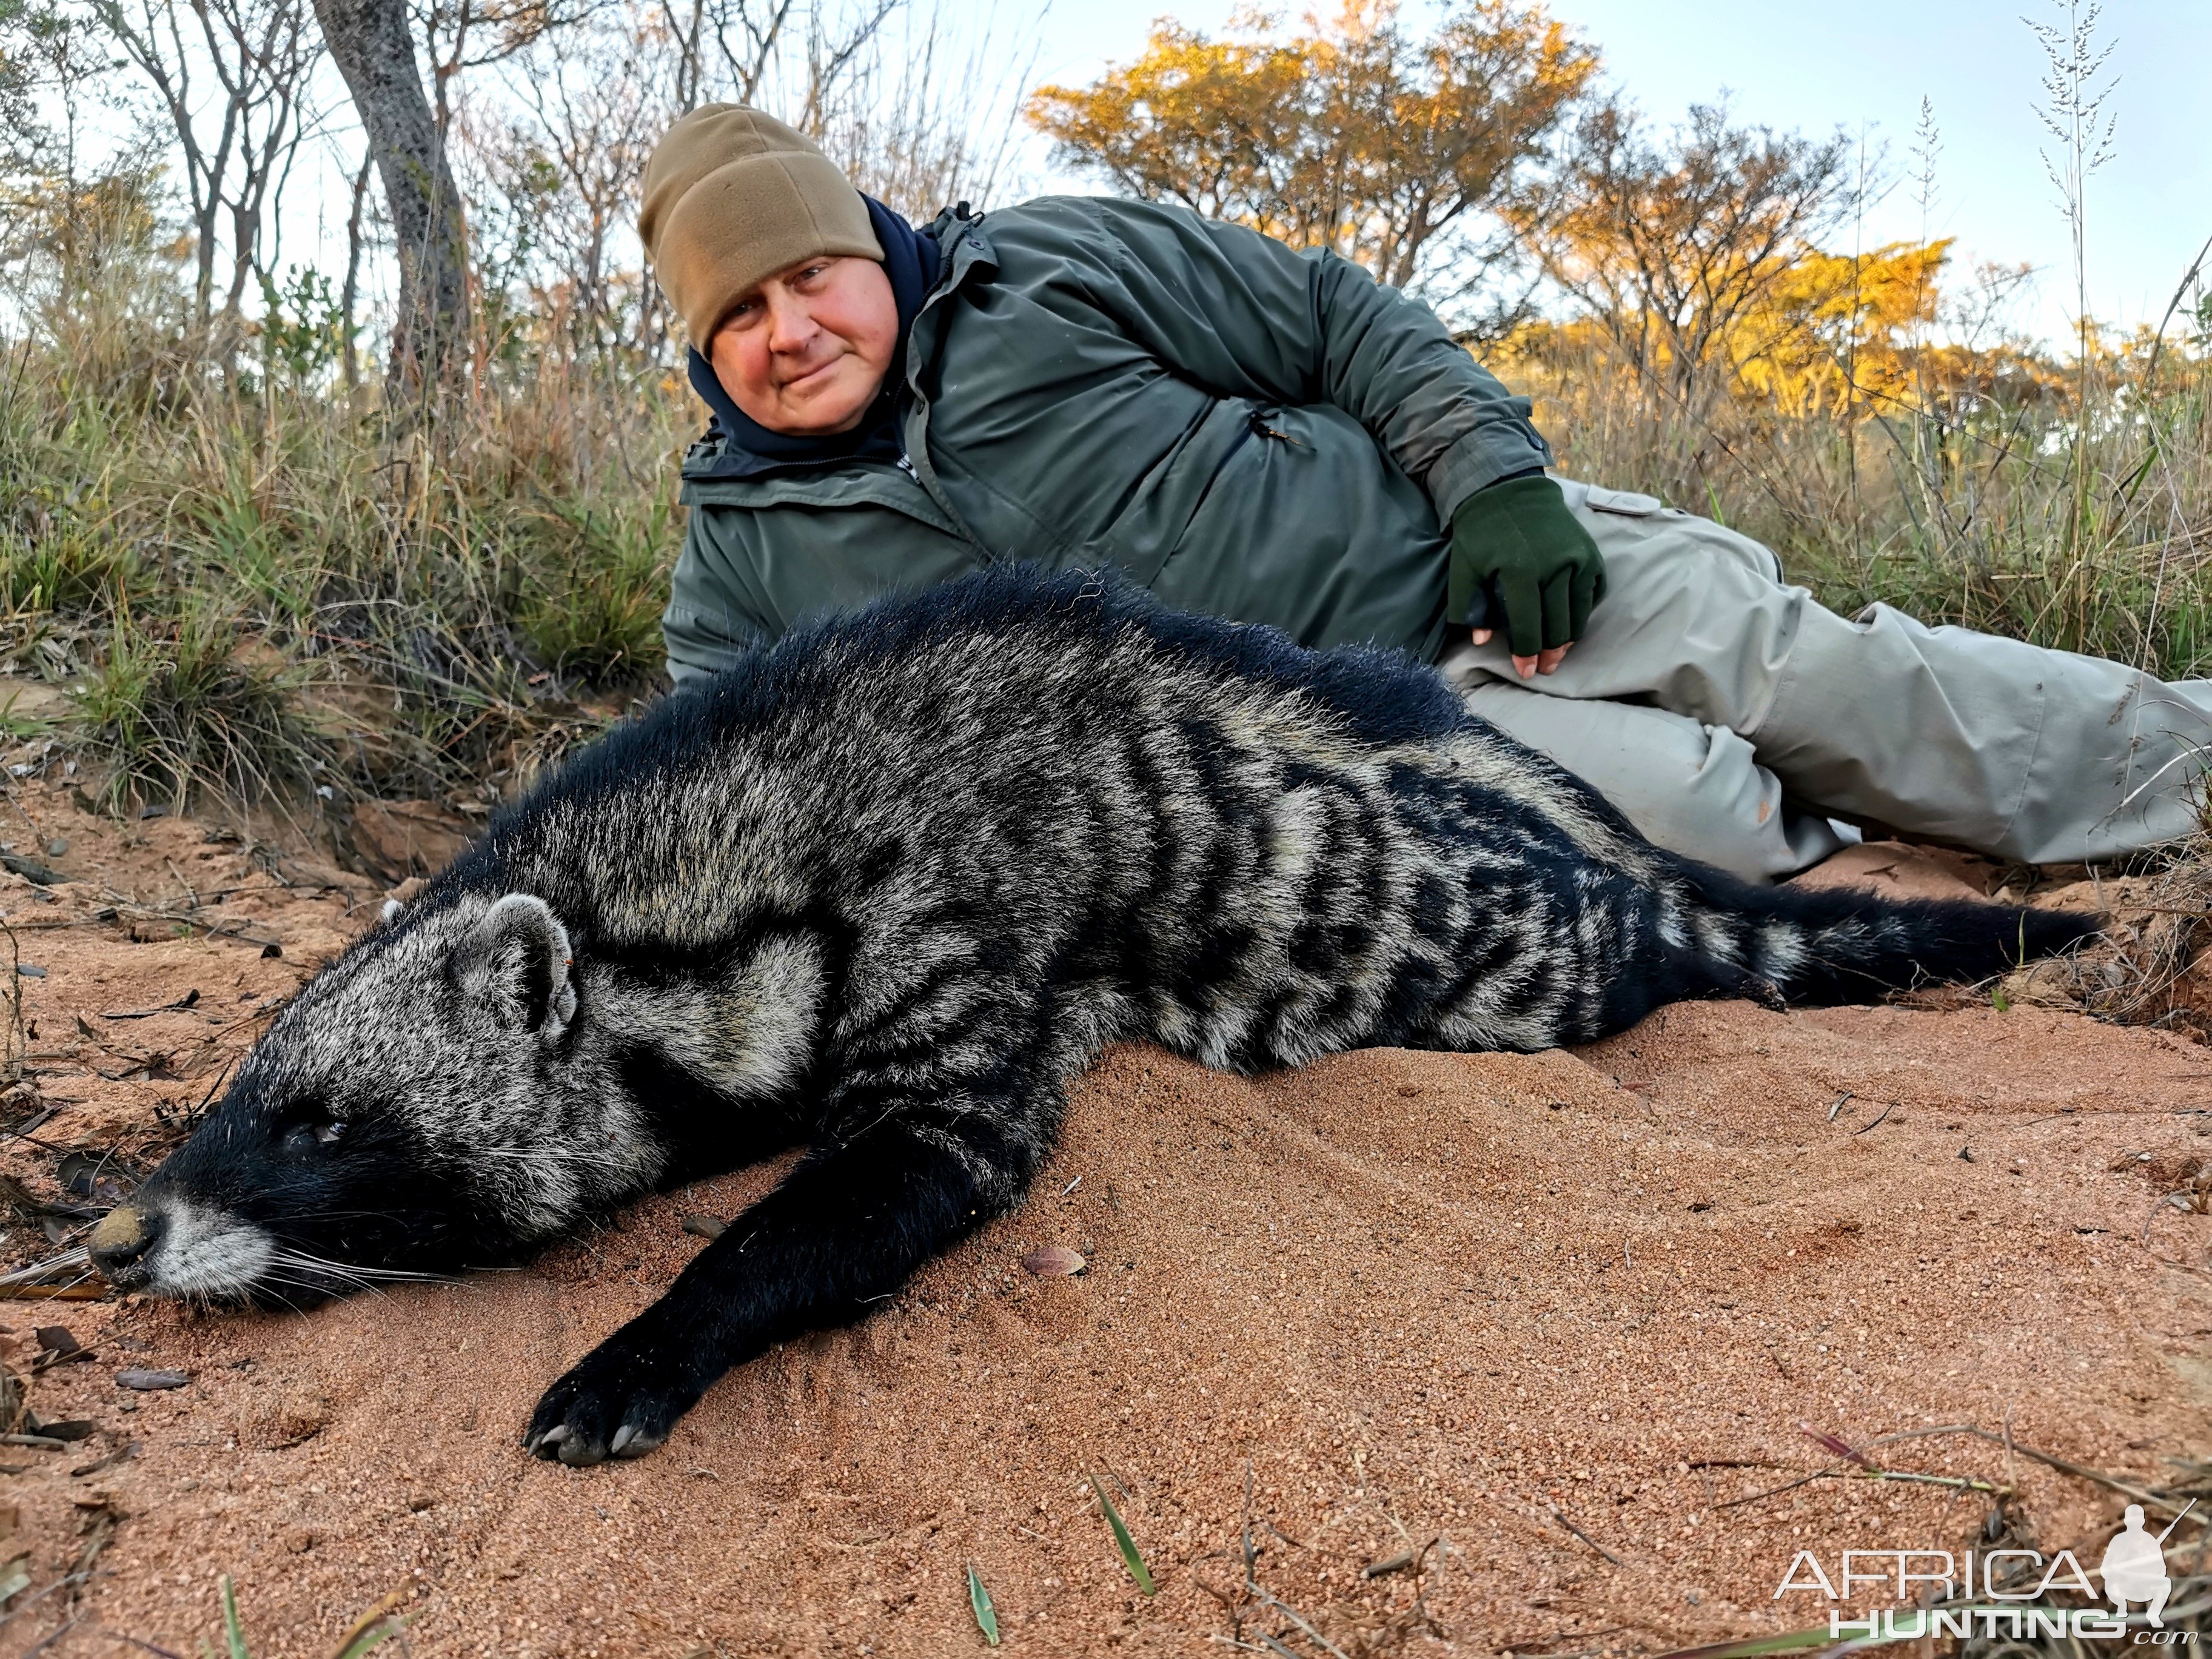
(196, 706)
(593, 609)
(76, 568)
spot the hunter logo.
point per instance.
(1987, 1593)
(2135, 1568)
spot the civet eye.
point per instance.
(301, 1135)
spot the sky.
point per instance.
(1865, 68)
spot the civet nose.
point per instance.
(121, 1241)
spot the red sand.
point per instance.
(1454, 1305)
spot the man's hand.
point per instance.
(1518, 547)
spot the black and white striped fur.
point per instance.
(881, 891)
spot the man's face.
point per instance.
(806, 352)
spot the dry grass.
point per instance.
(2151, 966)
(250, 587)
(254, 582)
(2007, 510)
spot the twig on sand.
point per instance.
(120, 910)
(68, 1582)
(67, 1625)
(1961, 1483)
(1841, 1448)
(237, 930)
(142, 1647)
(1255, 1594)
(1736, 1463)
(19, 1044)
(1955, 1482)
(1585, 1537)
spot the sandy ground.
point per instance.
(1479, 1354)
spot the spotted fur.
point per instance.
(881, 891)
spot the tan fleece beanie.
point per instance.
(733, 197)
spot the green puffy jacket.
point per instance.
(1247, 430)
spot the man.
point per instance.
(1269, 436)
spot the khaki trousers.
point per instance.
(1728, 715)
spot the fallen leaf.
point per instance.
(1054, 1261)
(131, 1378)
(122, 1453)
(57, 1347)
(979, 1600)
(705, 1226)
(1122, 1541)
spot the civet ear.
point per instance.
(518, 959)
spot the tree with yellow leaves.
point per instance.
(1352, 135)
(1679, 248)
(1832, 333)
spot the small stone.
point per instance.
(30, 970)
(56, 847)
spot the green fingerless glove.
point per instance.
(1519, 547)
